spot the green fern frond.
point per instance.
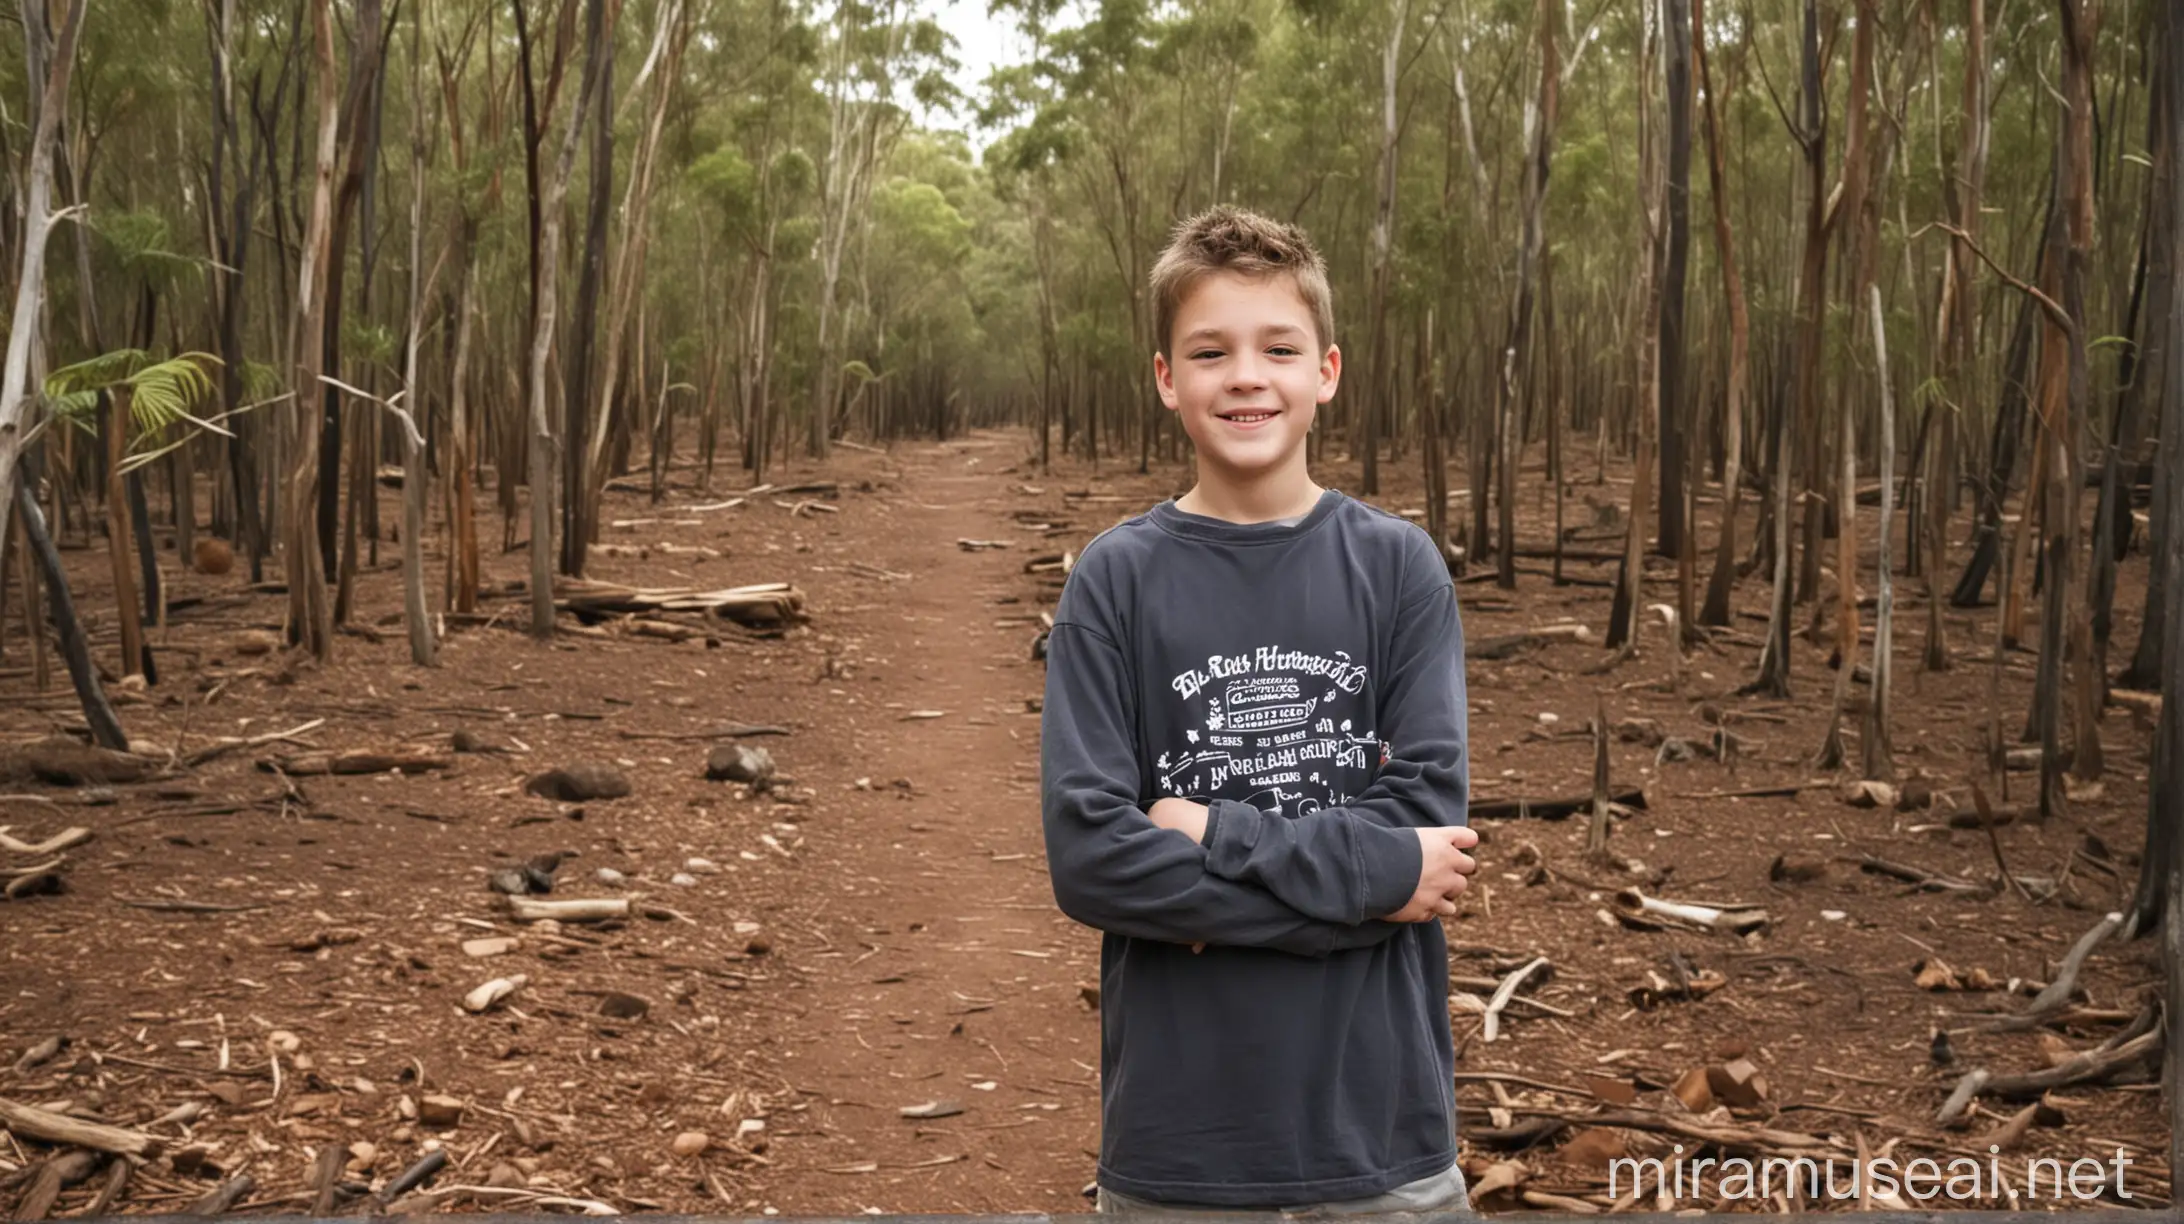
(78, 408)
(161, 393)
(168, 393)
(93, 373)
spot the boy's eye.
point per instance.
(1282, 350)
(1202, 354)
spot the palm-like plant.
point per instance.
(140, 396)
(160, 394)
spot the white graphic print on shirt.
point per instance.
(1286, 731)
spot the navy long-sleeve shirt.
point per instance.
(1305, 681)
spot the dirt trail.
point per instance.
(953, 981)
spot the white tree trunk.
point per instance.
(37, 226)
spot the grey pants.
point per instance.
(1443, 1191)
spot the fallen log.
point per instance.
(31, 1122)
(1554, 809)
(354, 762)
(768, 603)
(60, 761)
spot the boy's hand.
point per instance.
(1186, 818)
(1444, 872)
(1182, 815)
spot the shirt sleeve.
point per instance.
(1361, 860)
(1112, 867)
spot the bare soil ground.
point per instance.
(876, 932)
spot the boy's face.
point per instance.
(1248, 374)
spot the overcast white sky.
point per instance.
(982, 43)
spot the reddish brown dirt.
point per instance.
(898, 941)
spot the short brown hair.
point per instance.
(1230, 239)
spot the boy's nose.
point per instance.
(1247, 372)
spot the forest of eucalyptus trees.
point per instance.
(271, 253)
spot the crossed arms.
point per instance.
(1226, 873)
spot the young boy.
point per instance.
(1255, 782)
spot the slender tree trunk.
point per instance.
(576, 503)
(2072, 601)
(1774, 663)
(1625, 610)
(1959, 331)
(1539, 125)
(310, 612)
(629, 262)
(1880, 756)
(115, 406)
(37, 226)
(1376, 402)
(1676, 42)
(106, 729)
(2155, 356)
(1717, 610)
(545, 259)
(2160, 882)
(416, 477)
(462, 577)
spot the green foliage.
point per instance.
(161, 393)
(141, 246)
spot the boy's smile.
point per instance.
(1247, 377)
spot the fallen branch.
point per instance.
(1927, 880)
(326, 1178)
(1733, 1137)
(228, 746)
(1778, 790)
(187, 907)
(2087, 1066)
(733, 731)
(117, 1179)
(65, 839)
(2054, 998)
(55, 1174)
(1554, 809)
(1502, 993)
(358, 761)
(31, 1122)
(224, 1197)
(2057, 993)
(1632, 904)
(597, 909)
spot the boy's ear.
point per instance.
(1164, 379)
(1330, 373)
